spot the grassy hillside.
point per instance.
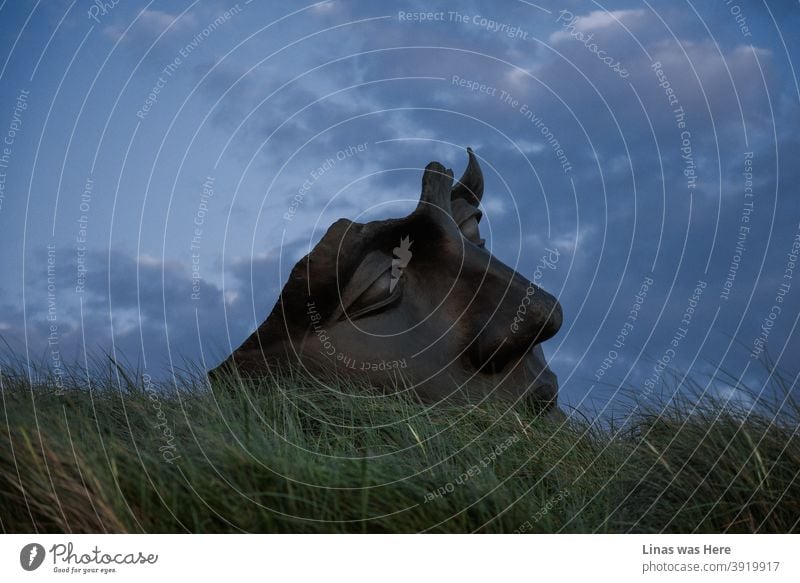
(123, 455)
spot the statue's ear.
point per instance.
(465, 199)
(467, 217)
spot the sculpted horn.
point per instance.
(470, 185)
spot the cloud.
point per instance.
(150, 24)
(596, 20)
(325, 7)
(143, 307)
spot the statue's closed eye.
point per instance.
(376, 285)
(381, 294)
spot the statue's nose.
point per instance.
(527, 316)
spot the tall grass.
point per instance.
(116, 453)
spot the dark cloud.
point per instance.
(144, 308)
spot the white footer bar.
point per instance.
(417, 558)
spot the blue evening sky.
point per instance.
(152, 150)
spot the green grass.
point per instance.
(284, 455)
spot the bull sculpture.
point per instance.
(416, 303)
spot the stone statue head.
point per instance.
(416, 303)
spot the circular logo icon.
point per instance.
(31, 556)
